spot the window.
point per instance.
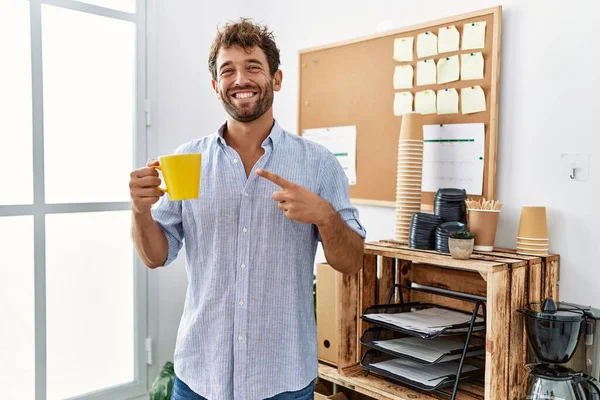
(72, 291)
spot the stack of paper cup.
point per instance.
(532, 238)
(409, 173)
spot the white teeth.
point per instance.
(243, 95)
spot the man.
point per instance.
(267, 196)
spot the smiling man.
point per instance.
(267, 198)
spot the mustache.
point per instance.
(246, 87)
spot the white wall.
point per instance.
(542, 113)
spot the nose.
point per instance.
(241, 78)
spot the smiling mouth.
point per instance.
(243, 95)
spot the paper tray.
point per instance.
(373, 335)
(457, 329)
(374, 356)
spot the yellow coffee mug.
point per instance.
(181, 173)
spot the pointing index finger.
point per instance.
(276, 179)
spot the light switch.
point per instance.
(575, 167)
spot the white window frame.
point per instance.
(39, 209)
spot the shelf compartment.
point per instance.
(472, 370)
(373, 338)
(456, 329)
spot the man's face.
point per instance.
(244, 84)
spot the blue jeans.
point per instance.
(181, 391)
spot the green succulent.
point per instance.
(462, 235)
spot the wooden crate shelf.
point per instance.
(506, 280)
(382, 389)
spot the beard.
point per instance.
(248, 112)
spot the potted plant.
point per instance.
(461, 245)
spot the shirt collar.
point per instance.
(273, 138)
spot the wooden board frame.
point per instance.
(350, 83)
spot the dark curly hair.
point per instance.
(245, 34)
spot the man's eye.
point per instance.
(226, 71)
(254, 68)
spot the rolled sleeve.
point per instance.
(167, 215)
(334, 188)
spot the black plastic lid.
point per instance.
(549, 310)
(452, 192)
(553, 372)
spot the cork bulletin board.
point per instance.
(351, 83)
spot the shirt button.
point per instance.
(245, 230)
(235, 161)
(241, 302)
(246, 194)
(240, 339)
(243, 266)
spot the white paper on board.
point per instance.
(341, 141)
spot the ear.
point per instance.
(215, 86)
(277, 79)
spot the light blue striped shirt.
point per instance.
(248, 330)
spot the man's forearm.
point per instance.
(149, 240)
(344, 248)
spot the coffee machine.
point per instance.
(554, 330)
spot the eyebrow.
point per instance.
(254, 61)
(248, 61)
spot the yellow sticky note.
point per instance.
(403, 103)
(426, 44)
(426, 72)
(448, 39)
(471, 66)
(448, 69)
(473, 35)
(447, 101)
(403, 49)
(403, 77)
(472, 99)
(425, 102)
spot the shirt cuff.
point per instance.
(174, 245)
(351, 219)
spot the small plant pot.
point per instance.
(461, 249)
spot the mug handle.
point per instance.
(158, 168)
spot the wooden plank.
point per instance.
(535, 271)
(550, 256)
(426, 258)
(441, 300)
(510, 253)
(347, 306)
(368, 202)
(492, 145)
(535, 283)
(367, 297)
(550, 271)
(458, 281)
(444, 21)
(403, 277)
(485, 256)
(385, 280)
(534, 295)
(497, 326)
(517, 350)
(551, 276)
(383, 389)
